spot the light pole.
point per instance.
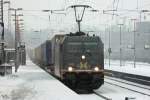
(16, 37)
(134, 40)
(120, 25)
(9, 18)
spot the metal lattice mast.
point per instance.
(16, 37)
(2, 19)
(2, 32)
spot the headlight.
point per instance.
(70, 69)
(96, 69)
(83, 57)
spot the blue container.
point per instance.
(46, 53)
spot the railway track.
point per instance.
(143, 80)
(127, 88)
(124, 82)
(102, 96)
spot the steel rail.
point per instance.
(102, 96)
(128, 88)
(128, 83)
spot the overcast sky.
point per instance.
(35, 19)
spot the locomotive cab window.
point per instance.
(91, 45)
(77, 46)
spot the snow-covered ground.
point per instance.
(32, 83)
(118, 93)
(91, 97)
(142, 69)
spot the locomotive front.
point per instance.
(83, 62)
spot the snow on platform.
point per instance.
(142, 69)
(32, 83)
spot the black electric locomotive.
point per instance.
(79, 61)
(76, 60)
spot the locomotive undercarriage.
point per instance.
(83, 80)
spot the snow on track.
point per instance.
(118, 93)
(91, 97)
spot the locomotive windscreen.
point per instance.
(82, 47)
(75, 48)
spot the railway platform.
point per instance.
(32, 83)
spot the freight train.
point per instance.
(76, 59)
